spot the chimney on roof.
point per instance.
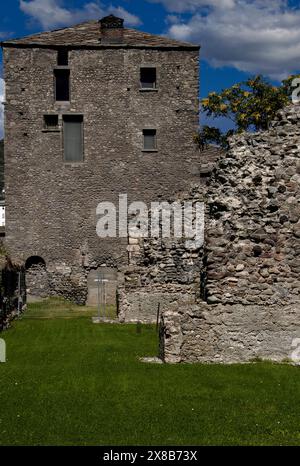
(111, 29)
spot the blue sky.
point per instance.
(239, 38)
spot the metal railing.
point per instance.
(12, 293)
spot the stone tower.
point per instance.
(92, 111)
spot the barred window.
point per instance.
(51, 121)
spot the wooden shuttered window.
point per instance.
(73, 138)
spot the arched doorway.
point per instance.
(34, 261)
(37, 283)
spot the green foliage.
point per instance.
(212, 135)
(70, 382)
(252, 104)
(3, 251)
(287, 84)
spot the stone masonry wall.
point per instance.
(228, 333)
(51, 210)
(161, 271)
(166, 271)
(253, 234)
(252, 285)
(57, 280)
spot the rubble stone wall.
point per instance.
(51, 209)
(228, 333)
(251, 306)
(253, 233)
(161, 271)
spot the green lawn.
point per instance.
(70, 382)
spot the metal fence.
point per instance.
(12, 292)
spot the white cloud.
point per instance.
(2, 99)
(53, 13)
(255, 36)
(130, 19)
(180, 6)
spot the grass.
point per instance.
(70, 382)
(58, 308)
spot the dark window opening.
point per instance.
(34, 261)
(62, 85)
(148, 78)
(150, 142)
(51, 121)
(62, 57)
(73, 138)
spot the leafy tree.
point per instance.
(250, 105)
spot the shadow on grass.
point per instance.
(54, 308)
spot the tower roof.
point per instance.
(95, 34)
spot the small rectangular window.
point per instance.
(62, 57)
(73, 138)
(51, 121)
(62, 85)
(148, 78)
(149, 139)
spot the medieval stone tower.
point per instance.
(92, 111)
(95, 111)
